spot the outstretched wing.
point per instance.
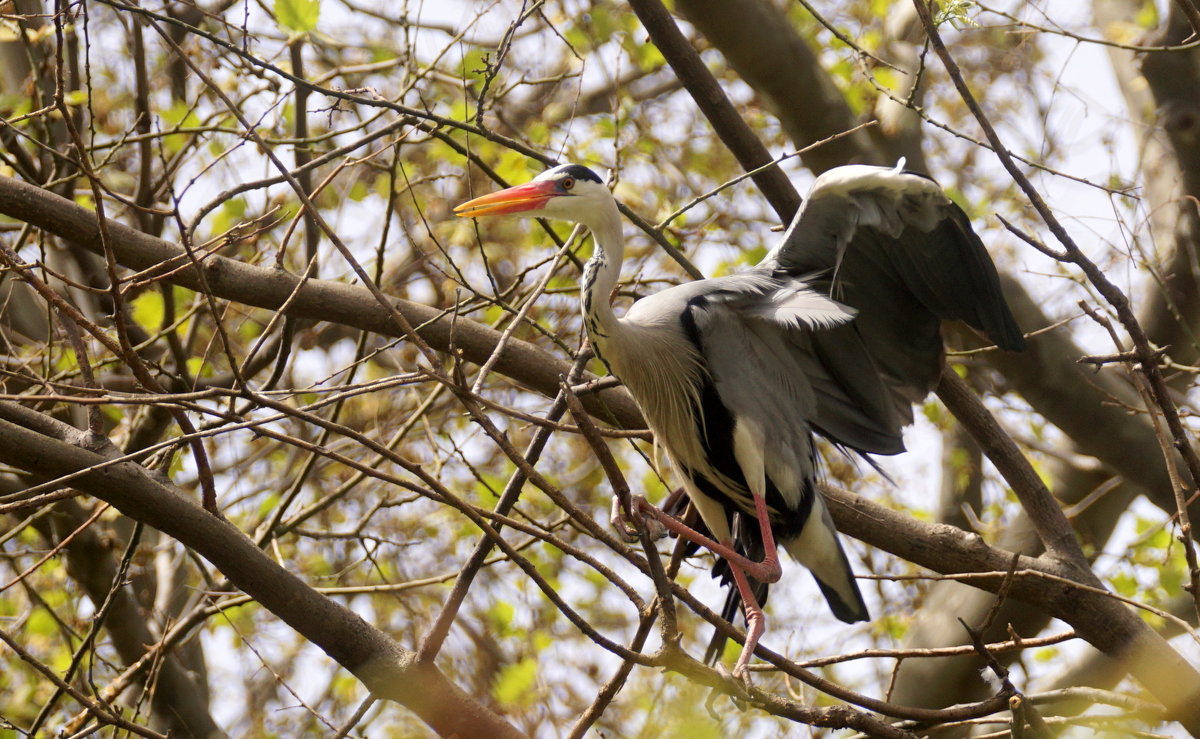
(892, 249)
(892, 246)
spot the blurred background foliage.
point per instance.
(450, 98)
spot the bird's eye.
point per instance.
(568, 183)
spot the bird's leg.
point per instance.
(768, 570)
(756, 622)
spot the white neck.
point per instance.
(600, 275)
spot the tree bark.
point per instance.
(313, 299)
(388, 670)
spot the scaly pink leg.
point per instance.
(756, 622)
(768, 570)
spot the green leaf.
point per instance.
(268, 504)
(1171, 580)
(179, 115)
(230, 214)
(298, 16)
(956, 13)
(894, 626)
(41, 624)
(196, 366)
(148, 309)
(1125, 584)
(1147, 17)
(514, 684)
(500, 615)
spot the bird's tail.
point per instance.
(818, 548)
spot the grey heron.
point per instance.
(836, 331)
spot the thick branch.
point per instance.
(1103, 621)
(388, 670)
(1048, 519)
(760, 41)
(176, 697)
(712, 101)
(315, 299)
(1171, 171)
(1089, 407)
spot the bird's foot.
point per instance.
(621, 523)
(627, 526)
(646, 515)
(736, 685)
(741, 674)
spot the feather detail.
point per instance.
(837, 331)
(795, 306)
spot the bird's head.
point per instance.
(569, 192)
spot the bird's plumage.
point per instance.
(836, 331)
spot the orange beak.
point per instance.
(530, 196)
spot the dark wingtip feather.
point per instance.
(993, 316)
(1013, 342)
(1007, 334)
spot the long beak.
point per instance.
(530, 196)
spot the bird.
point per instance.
(836, 332)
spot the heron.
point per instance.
(836, 332)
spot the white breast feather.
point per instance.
(665, 380)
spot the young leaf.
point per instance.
(297, 16)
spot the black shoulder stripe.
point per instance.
(921, 174)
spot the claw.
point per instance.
(652, 525)
(710, 703)
(741, 673)
(621, 523)
(627, 526)
(740, 684)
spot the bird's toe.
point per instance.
(645, 516)
(736, 685)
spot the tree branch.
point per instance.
(762, 45)
(1103, 621)
(388, 670)
(314, 299)
(724, 117)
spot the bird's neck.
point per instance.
(600, 276)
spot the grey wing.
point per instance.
(764, 342)
(892, 246)
(753, 344)
(808, 359)
(762, 380)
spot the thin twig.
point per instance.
(96, 709)
(512, 490)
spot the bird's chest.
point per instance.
(665, 374)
